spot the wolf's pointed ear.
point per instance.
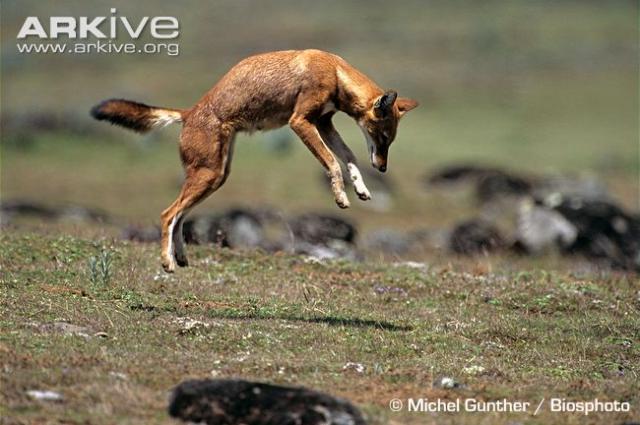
(384, 104)
(405, 105)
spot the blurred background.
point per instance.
(544, 88)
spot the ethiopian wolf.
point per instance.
(302, 88)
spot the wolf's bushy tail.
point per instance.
(135, 116)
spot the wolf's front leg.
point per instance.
(337, 187)
(358, 182)
(332, 138)
(311, 138)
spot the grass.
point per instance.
(537, 87)
(522, 334)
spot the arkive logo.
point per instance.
(99, 35)
(100, 27)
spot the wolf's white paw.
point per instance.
(342, 200)
(358, 182)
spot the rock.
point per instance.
(48, 121)
(491, 183)
(475, 237)
(141, 234)
(473, 369)
(411, 265)
(501, 184)
(235, 228)
(457, 173)
(82, 214)
(356, 367)
(118, 375)
(383, 289)
(316, 235)
(446, 382)
(540, 228)
(240, 228)
(323, 236)
(17, 207)
(320, 229)
(66, 329)
(201, 230)
(332, 250)
(596, 229)
(243, 228)
(395, 242)
(605, 231)
(21, 208)
(45, 395)
(190, 326)
(388, 241)
(584, 187)
(232, 401)
(23, 128)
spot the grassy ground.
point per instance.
(537, 87)
(512, 333)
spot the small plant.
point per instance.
(100, 268)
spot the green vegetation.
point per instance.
(539, 87)
(520, 335)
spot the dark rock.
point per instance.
(321, 229)
(45, 395)
(236, 228)
(67, 329)
(331, 250)
(243, 228)
(21, 129)
(475, 237)
(15, 208)
(316, 235)
(490, 183)
(323, 236)
(389, 241)
(447, 382)
(141, 234)
(596, 229)
(457, 173)
(383, 289)
(584, 187)
(498, 184)
(395, 242)
(605, 232)
(200, 230)
(540, 228)
(79, 213)
(232, 402)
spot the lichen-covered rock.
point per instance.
(234, 401)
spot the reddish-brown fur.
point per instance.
(301, 88)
